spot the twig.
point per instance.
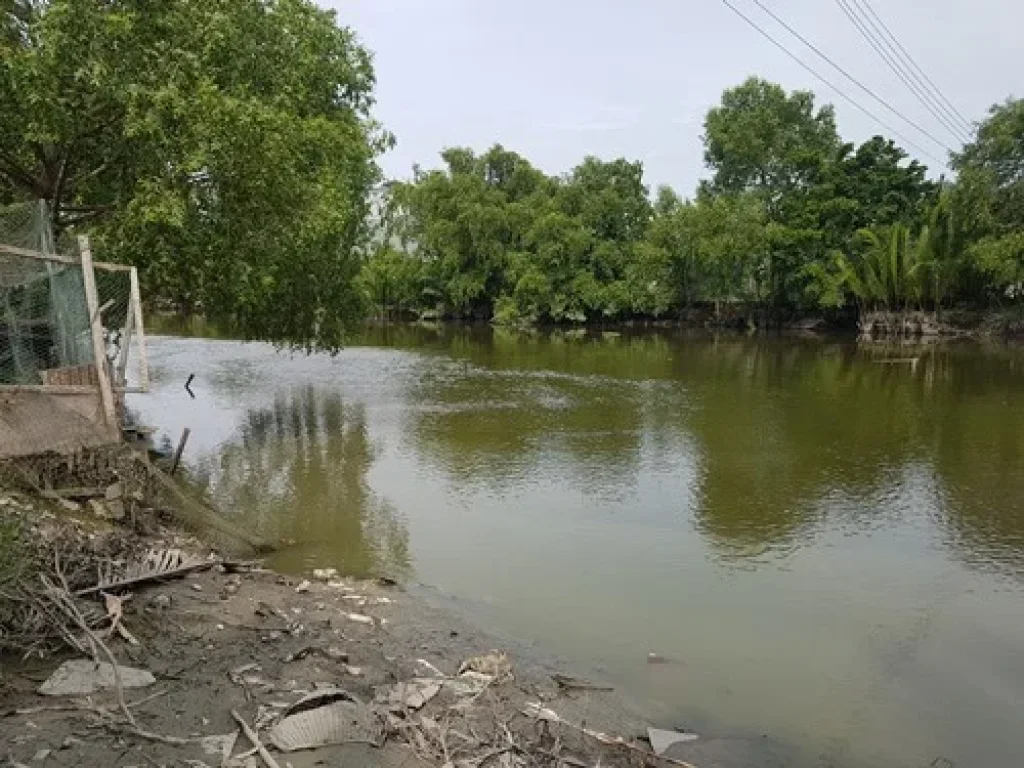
(250, 734)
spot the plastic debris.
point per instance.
(331, 716)
(662, 741)
(81, 677)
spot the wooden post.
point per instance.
(99, 348)
(136, 311)
(126, 342)
(181, 449)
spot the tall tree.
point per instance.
(990, 196)
(224, 146)
(774, 145)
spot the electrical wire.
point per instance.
(951, 109)
(847, 7)
(821, 78)
(850, 77)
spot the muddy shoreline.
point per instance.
(233, 637)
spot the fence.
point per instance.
(67, 324)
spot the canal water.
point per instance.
(825, 540)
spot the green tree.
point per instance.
(775, 145)
(990, 197)
(226, 147)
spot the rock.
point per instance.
(162, 602)
(114, 492)
(325, 574)
(81, 677)
(197, 587)
(304, 586)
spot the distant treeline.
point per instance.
(792, 220)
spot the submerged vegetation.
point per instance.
(228, 149)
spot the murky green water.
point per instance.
(828, 540)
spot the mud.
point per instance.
(196, 633)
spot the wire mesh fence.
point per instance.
(46, 318)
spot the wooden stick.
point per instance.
(98, 346)
(140, 330)
(250, 734)
(181, 449)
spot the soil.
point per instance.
(195, 633)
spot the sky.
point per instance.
(556, 80)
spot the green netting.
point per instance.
(44, 320)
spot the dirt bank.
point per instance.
(231, 639)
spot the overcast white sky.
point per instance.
(559, 79)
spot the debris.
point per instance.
(540, 712)
(304, 586)
(656, 658)
(250, 734)
(496, 664)
(361, 618)
(115, 612)
(197, 587)
(336, 653)
(221, 746)
(662, 741)
(413, 694)
(157, 564)
(354, 671)
(331, 716)
(572, 683)
(325, 574)
(81, 677)
(433, 670)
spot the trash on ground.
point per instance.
(331, 716)
(155, 565)
(574, 683)
(413, 694)
(325, 574)
(662, 741)
(304, 586)
(360, 618)
(80, 677)
(495, 663)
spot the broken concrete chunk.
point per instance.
(81, 677)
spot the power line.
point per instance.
(850, 77)
(950, 107)
(821, 78)
(920, 89)
(895, 66)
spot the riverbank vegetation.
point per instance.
(791, 222)
(228, 149)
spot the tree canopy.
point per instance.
(791, 219)
(226, 147)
